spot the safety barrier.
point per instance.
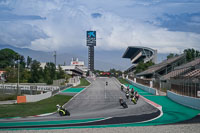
(33, 98)
(184, 100)
(145, 88)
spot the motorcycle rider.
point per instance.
(128, 88)
(127, 94)
(58, 107)
(136, 95)
(132, 91)
(134, 100)
(121, 100)
(106, 83)
(122, 87)
(62, 111)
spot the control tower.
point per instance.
(91, 42)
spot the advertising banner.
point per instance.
(91, 38)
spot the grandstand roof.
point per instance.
(136, 53)
(160, 66)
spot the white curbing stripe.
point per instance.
(159, 107)
(44, 114)
(152, 103)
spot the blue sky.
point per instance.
(47, 25)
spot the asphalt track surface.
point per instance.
(97, 101)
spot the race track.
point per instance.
(98, 104)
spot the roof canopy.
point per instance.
(136, 53)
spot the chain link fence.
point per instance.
(186, 86)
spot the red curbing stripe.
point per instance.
(152, 103)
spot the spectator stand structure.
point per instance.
(138, 54)
(184, 80)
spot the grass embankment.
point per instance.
(5, 97)
(83, 83)
(123, 81)
(35, 108)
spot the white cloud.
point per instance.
(19, 34)
(122, 24)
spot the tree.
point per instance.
(11, 75)
(60, 73)
(171, 55)
(8, 58)
(143, 66)
(191, 54)
(24, 75)
(35, 75)
(47, 78)
(29, 61)
(49, 72)
(22, 62)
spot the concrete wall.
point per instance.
(58, 82)
(74, 81)
(35, 98)
(145, 88)
(185, 100)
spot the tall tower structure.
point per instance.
(91, 42)
(54, 57)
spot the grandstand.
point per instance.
(180, 70)
(138, 54)
(186, 84)
(193, 74)
(162, 68)
(173, 74)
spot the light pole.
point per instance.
(18, 77)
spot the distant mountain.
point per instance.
(104, 60)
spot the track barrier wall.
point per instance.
(184, 100)
(145, 88)
(35, 98)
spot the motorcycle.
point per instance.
(123, 103)
(122, 87)
(134, 100)
(62, 111)
(127, 95)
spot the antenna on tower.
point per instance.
(54, 57)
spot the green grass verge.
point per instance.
(123, 81)
(5, 97)
(35, 108)
(83, 83)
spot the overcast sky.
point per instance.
(47, 25)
